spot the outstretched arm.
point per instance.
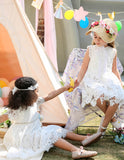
(83, 68)
(55, 93)
(115, 70)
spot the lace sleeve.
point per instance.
(90, 50)
(39, 102)
(13, 114)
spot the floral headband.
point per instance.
(29, 88)
(102, 24)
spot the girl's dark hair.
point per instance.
(22, 98)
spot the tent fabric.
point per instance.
(22, 4)
(30, 59)
(9, 65)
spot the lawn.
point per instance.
(107, 149)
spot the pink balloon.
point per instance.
(5, 91)
(5, 101)
(1, 102)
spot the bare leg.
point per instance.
(63, 144)
(76, 152)
(109, 111)
(75, 137)
(103, 106)
(108, 115)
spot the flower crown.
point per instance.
(102, 24)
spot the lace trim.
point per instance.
(51, 141)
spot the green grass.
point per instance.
(107, 149)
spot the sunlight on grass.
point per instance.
(107, 149)
(92, 127)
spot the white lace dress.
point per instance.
(98, 82)
(26, 139)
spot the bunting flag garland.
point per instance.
(100, 15)
(80, 14)
(58, 12)
(84, 23)
(111, 15)
(37, 3)
(69, 14)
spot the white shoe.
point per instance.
(83, 154)
(91, 139)
(118, 125)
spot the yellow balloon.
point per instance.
(2, 84)
(69, 14)
(5, 80)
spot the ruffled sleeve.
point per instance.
(39, 102)
(90, 47)
(112, 53)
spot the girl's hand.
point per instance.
(67, 87)
(76, 83)
(71, 85)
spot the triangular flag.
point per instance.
(111, 15)
(37, 3)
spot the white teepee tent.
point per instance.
(23, 54)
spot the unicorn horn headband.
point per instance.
(29, 88)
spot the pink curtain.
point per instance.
(36, 19)
(50, 34)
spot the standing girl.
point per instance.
(26, 139)
(98, 81)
